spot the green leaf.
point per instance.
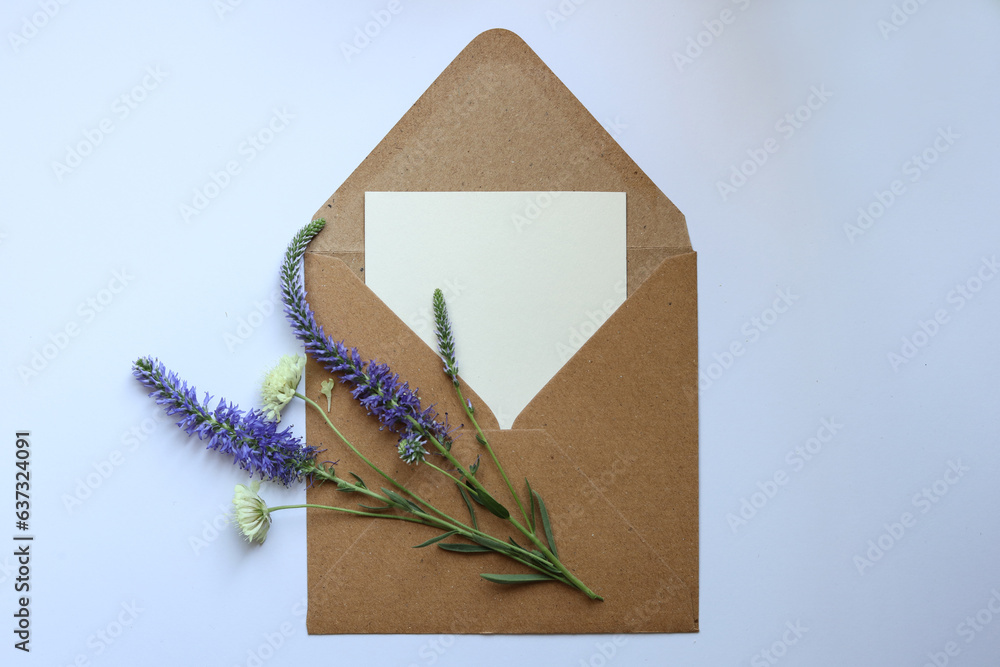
(492, 505)
(401, 502)
(531, 512)
(468, 503)
(516, 578)
(461, 547)
(472, 493)
(435, 539)
(474, 468)
(361, 482)
(492, 544)
(516, 551)
(480, 439)
(394, 497)
(546, 526)
(487, 501)
(374, 508)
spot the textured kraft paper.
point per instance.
(610, 443)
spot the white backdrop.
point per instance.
(837, 165)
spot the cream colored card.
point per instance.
(528, 277)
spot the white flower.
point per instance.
(252, 514)
(281, 383)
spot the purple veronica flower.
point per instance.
(412, 450)
(373, 384)
(253, 440)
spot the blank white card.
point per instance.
(527, 276)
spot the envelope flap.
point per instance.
(498, 119)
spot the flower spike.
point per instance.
(373, 384)
(446, 342)
(250, 437)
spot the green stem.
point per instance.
(375, 515)
(374, 467)
(444, 451)
(443, 472)
(486, 443)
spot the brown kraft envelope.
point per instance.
(610, 443)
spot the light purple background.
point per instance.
(886, 95)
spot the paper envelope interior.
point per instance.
(610, 443)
